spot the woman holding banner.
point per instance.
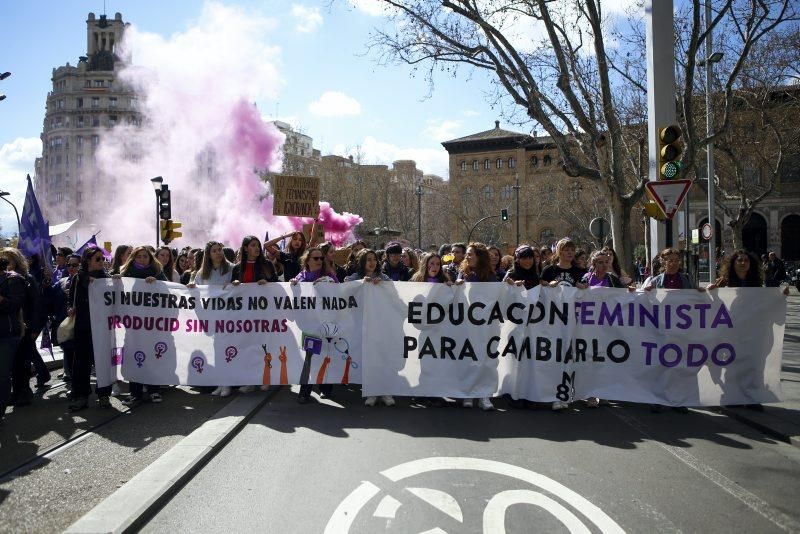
(477, 267)
(524, 272)
(253, 266)
(215, 269)
(142, 264)
(314, 271)
(367, 270)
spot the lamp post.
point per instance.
(3, 195)
(418, 192)
(3, 76)
(711, 58)
(516, 192)
(157, 182)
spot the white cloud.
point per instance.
(376, 8)
(16, 161)
(335, 104)
(441, 130)
(309, 19)
(471, 113)
(430, 160)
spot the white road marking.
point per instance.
(348, 509)
(387, 508)
(751, 500)
(440, 500)
(589, 510)
(494, 515)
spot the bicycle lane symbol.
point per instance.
(495, 510)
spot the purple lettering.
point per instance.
(703, 309)
(690, 361)
(722, 317)
(648, 358)
(662, 355)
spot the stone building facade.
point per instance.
(86, 101)
(486, 169)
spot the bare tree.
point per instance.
(584, 94)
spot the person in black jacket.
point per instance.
(253, 266)
(12, 295)
(525, 271)
(78, 307)
(393, 266)
(33, 313)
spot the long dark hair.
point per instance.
(297, 254)
(132, 258)
(116, 262)
(754, 273)
(422, 273)
(261, 265)
(169, 267)
(208, 265)
(361, 260)
(483, 270)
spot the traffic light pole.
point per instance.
(158, 217)
(516, 191)
(469, 236)
(712, 249)
(660, 93)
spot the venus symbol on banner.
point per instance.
(543, 495)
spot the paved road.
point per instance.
(293, 465)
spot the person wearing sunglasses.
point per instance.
(313, 262)
(56, 297)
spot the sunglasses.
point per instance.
(73, 265)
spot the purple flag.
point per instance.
(92, 243)
(34, 233)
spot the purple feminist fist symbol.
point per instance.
(139, 356)
(198, 362)
(160, 349)
(230, 353)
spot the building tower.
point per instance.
(85, 103)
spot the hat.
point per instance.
(523, 251)
(394, 248)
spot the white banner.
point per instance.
(671, 347)
(666, 347)
(164, 333)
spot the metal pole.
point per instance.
(469, 236)
(712, 252)
(516, 189)
(158, 216)
(19, 225)
(419, 216)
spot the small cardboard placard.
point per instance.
(296, 196)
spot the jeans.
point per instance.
(8, 350)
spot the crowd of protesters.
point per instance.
(33, 300)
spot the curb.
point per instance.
(127, 509)
(760, 426)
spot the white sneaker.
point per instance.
(370, 401)
(225, 391)
(217, 391)
(115, 391)
(247, 389)
(485, 404)
(560, 405)
(155, 397)
(466, 403)
(388, 400)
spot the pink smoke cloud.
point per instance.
(202, 133)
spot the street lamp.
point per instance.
(711, 58)
(3, 195)
(3, 76)
(157, 182)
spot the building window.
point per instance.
(112, 120)
(95, 140)
(57, 143)
(487, 165)
(463, 165)
(511, 162)
(506, 192)
(60, 103)
(488, 192)
(95, 102)
(96, 120)
(134, 103)
(79, 141)
(79, 159)
(547, 160)
(499, 163)
(79, 102)
(98, 83)
(112, 102)
(80, 121)
(87, 83)
(475, 165)
(575, 191)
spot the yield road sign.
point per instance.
(668, 194)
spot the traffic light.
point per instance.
(504, 214)
(164, 203)
(169, 231)
(669, 152)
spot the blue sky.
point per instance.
(322, 57)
